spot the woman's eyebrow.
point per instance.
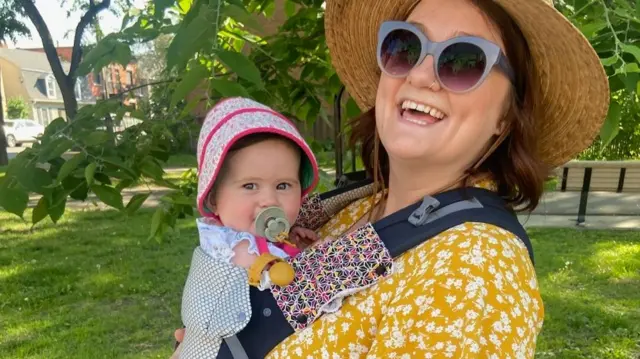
(453, 34)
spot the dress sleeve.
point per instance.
(474, 295)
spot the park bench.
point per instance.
(602, 176)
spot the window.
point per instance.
(44, 116)
(78, 89)
(129, 77)
(51, 86)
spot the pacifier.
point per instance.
(272, 224)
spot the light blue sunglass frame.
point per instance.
(493, 53)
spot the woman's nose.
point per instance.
(423, 75)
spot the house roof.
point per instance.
(31, 60)
(34, 67)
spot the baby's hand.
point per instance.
(302, 237)
(242, 257)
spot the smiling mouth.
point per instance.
(420, 114)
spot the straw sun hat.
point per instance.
(574, 96)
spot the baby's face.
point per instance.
(262, 175)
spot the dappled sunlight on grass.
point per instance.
(94, 286)
(96, 281)
(591, 291)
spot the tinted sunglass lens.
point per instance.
(399, 52)
(461, 66)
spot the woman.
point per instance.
(459, 93)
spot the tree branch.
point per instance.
(47, 42)
(76, 55)
(122, 93)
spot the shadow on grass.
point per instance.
(92, 286)
(590, 282)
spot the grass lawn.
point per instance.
(94, 287)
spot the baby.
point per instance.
(254, 171)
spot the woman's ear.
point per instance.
(501, 127)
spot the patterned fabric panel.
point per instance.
(312, 215)
(215, 304)
(335, 204)
(330, 271)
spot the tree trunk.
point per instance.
(66, 82)
(4, 157)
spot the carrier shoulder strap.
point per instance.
(419, 222)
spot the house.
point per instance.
(113, 80)
(28, 75)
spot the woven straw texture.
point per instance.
(574, 96)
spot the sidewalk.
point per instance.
(605, 210)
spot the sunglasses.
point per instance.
(461, 63)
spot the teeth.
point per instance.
(416, 121)
(408, 104)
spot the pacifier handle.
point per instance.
(270, 222)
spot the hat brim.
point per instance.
(573, 86)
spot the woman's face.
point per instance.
(470, 119)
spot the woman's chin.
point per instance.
(409, 152)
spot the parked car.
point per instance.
(19, 131)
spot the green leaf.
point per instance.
(161, 6)
(241, 65)
(109, 196)
(241, 15)
(631, 67)
(118, 163)
(54, 149)
(590, 28)
(99, 56)
(57, 204)
(53, 128)
(122, 54)
(40, 212)
(151, 169)
(352, 108)
(70, 165)
(631, 49)
(189, 82)
(638, 8)
(609, 60)
(229, 88)
(191, 37)
(185, 5)
(611, 126)
(156, 222)
(14, 200)
(34, 179)
(97, 138)
(89, 172)
(289, 8)
(136, 202)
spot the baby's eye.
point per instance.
(283, 186)
(250, 186)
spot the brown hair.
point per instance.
(514, 164)
(245, 142)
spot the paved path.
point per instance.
(556, 209)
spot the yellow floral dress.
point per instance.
(470, 292)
